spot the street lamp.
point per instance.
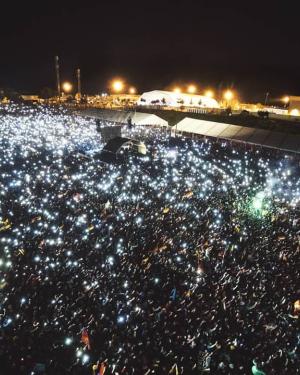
(132, 90)
(117, 85)
(228, 95)
(266, 98)
(209, 93)
(177, 90)
(286, 101)
(192, 89)
(67, 87)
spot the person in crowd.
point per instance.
(183, 261)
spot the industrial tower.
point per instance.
(57, 75)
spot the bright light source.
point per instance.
(192, 89)
(132, 90)
(138, 220)
(286, 99)
(68, 341)
(85, 359)
(209, 93)
(258, 201)
(295, 112)
(228, 95)
(118, 86)
(121, 319)
(67, 87)
(177, 90)
(171, 154)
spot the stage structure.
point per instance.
(108, 132)
(114, 149)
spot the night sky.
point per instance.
(251, 46)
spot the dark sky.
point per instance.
(252, 46)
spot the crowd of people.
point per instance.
(183, 261)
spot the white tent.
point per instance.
(173, 99)
(269, 138)
(147, 119)
(122, 117)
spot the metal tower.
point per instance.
(57, 75)
(78, 83)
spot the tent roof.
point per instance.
(269, 138)
(138, 118)
(174, 97)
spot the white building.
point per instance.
(173, 99)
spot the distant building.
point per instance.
(113, 101)
(5, 100)
(173, 99)
(30, 98)
(276, 110)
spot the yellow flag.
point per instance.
(188, 194)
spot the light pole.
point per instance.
(78, 83)
(57, 75)
(266, 98)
